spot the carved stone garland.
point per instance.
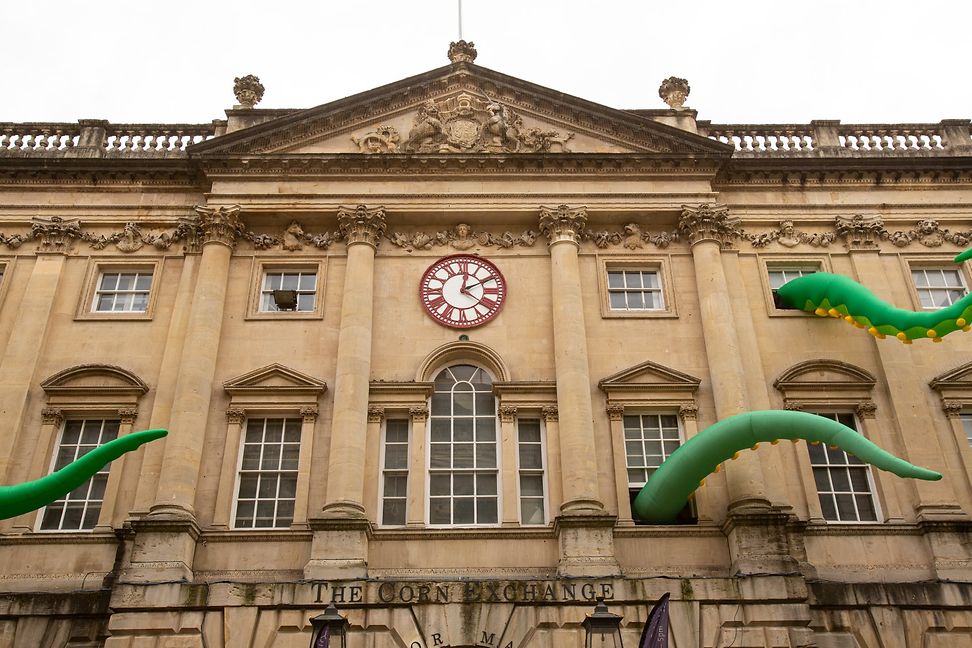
(57, 234)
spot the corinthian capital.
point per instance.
(563, 223)
(219, 224)
(362, 225)
(708, 223)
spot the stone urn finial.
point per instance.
(674, 91)
(248, 90)
(462, 52)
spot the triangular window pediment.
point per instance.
(274, 378)
(649, 376)
(470, 110)
(959, 377)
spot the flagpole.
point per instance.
(460, 19)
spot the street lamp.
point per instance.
(330, 629)
(602, 628)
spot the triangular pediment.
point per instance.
(960, 376)
(649, 376)
(460, 109)
(274, 378)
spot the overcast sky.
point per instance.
(747, 61)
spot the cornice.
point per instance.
(99, 172)
(803, 173)
(518, 164)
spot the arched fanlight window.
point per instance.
(463, 474)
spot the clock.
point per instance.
(462, 291)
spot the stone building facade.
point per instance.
(255, 285)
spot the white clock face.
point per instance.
(462, 291)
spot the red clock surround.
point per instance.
(462, 291)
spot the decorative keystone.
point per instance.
(248, 90)
(674, 91)
(462, 52)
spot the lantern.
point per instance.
(330, 629)
(603, 629)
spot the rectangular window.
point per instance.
(531, 465)
(649, 439)
(268, 474)
(122, 292)
(781, 275)
(394, 474)
(844, 483)
(635, 290)
(82, 506)
(938, 287)
(293, 290)
(967, 424)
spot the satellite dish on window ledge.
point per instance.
(285, 300)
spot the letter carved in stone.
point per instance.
(362, 225)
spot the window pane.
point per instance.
(617, 301)
(462, 455)
(615, 280)
(396, 455)
(396, 486)
(531, 485)
(464, 510)
(393, 512)
(485, 455)
(144, 282)
(531, 511)
(440, 485)
(486, 511)
(485, 428)
(440, 511)
(440, 456)
(486, 484)
(462, 429)
(531, 456)
(529, 431)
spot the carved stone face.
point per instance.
(463, 230)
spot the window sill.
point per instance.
(280, 316)
(114, 317)
(638, 314)
(479, 533)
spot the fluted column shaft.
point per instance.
(219, 228)
(362, 228)
(706, 229)
(563, 228)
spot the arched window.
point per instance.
(463, 473)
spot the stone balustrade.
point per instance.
(821, 138)
(98, 138)
(830, 138)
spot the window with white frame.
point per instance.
(530, 457)
(463, 466)
(268, 473)
(938, 287)
(844, 482)
(80, 509)
(967, 425)
(649, 439)
(635, 290)
(303, 284)
(779, 275)
(122, 292)
(394, 473)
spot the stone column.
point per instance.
(415, 506)
(707, 229)
(165, 541)
(509, 448)
(227, 474)
(756, 531)
(24, 348)
(584, 528)
(340, 544)
(109, 500)
(362, 228)
(563, 227)
(219, 228)
(305, 472)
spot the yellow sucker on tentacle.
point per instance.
(831, 295)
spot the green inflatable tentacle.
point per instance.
(837, 296)
(29, 496)
(669, 487)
